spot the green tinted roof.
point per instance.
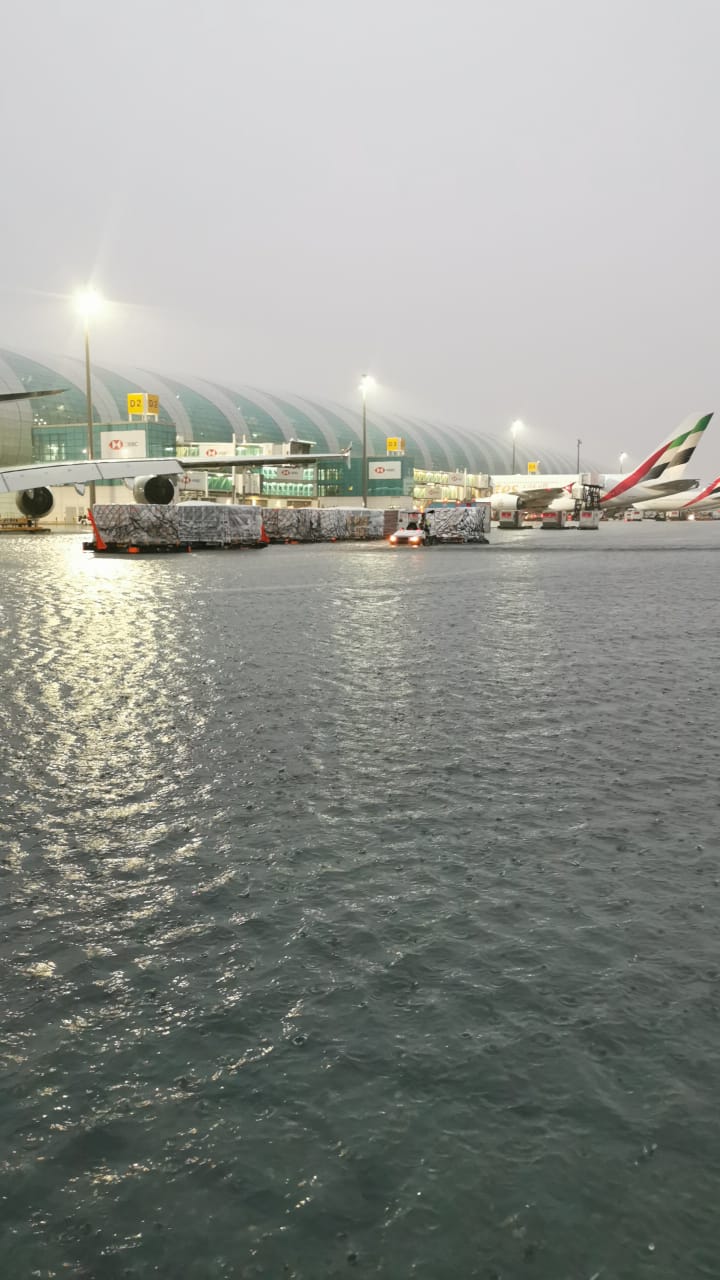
(203, 410)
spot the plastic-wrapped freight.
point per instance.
(201, 522)
(244, 526)
(211, 524)
(285, 524)
(343, 523)
(365, 524)
(187, 524)
(459, 524)
(326, 524)
(137, 524)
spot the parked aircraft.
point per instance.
(686, 503)
(661, 473)
(155, 478)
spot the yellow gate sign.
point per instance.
(533, 468)
(142, 405)
(395, 444)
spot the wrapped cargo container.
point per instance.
(323, 524)
(286, 524)
(458, 524)
(188, 524)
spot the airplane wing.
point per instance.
(538, 499)
(267, 460)
(49, 474)
(29, 395)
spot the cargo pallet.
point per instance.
(118, 549)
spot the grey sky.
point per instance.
(502, 208)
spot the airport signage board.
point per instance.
(213, 449)
(120, 443)
(142, 405)
(395, 444)
(533, 468)
(291, 474)
(192, 482)
(389, 470)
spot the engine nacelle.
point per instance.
(157, 490)
(35, 503)
(505, 502)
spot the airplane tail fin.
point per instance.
(667, 463)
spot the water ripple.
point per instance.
(359, 909)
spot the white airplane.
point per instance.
(155, 478)
(662, 473)
(686, 503)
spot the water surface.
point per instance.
(359, 910)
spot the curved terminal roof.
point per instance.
(203, 411)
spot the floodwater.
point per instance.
(360, 910)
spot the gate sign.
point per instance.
(395, 444)
(142, 405)
(533, 468)
(120, 443)
(390, 470)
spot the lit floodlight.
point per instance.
(517, 426)
(88, 302)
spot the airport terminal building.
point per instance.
(409, 458)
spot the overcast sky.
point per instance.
(502, 208)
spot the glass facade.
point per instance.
(267, 416)
(69, 444)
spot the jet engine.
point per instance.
(35, 503)
(157, 490)
(505, 502)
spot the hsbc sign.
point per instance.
(122, 444)
(388, 469)
(214, 449)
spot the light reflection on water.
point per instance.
(359, 908)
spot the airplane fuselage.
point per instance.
(689, 501)
(611, 500)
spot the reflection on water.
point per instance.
(358, 909)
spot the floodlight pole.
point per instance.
(88, 399)
(364, 442)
